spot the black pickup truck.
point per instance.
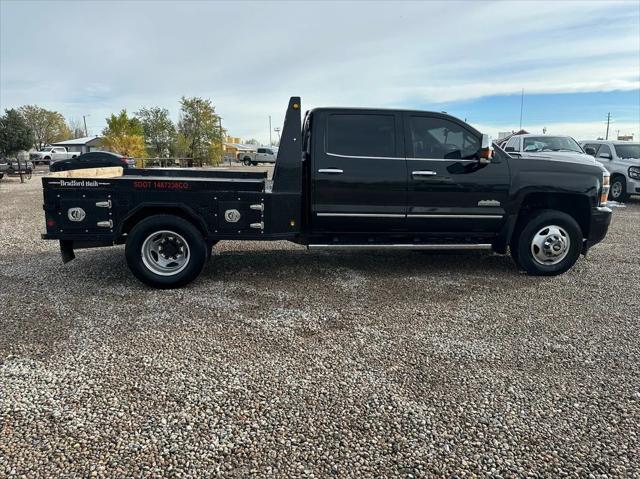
(344, 179)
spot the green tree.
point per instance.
(199, 127)
(159, 130)
(124, 135)
(15, 134)
(47, 126)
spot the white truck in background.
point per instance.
(263, 154)
(51, 154)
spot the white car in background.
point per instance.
(531, 145)
(622, 160)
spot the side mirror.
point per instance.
(589, 150)
(486, 150)
(509, 149)
(605, 155)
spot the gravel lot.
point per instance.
(282, 363)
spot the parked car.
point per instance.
(93, 159)
(51, 154)
(546, 146)
(261, 155)
(368, 179)
(622, 160)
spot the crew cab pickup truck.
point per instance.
(261, 155)
(344, 179)
(51, 154)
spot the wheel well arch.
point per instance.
(577, 206)
(618, 175)
(145, 211)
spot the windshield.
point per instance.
(551, 143)
(628, 151)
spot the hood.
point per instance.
(631, 161)
(562, 156)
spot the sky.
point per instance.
(576, 61)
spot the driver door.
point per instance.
(449, 190)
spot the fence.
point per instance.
(175, 162)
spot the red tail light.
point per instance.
(124, 161)
(51, 223)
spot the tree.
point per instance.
(76, 128)
(124, 135)
(159, 130)
(252, 141)
(200, 128)
(47, 126)
(15, 134)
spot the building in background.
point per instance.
(233, 145)
(81, 145)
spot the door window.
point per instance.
(361, 135)
(604, 150)
(590, 145)
(513, 143)
(261, 150)
(438, 138)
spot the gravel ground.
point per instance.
(282, 363)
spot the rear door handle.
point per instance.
(424, 173)
(331, 171)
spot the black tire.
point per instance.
(153, 225)
(254, 163)
(538, 222)
(618, 189)
(246, 162)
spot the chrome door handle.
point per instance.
(424, 173)
(331, 171)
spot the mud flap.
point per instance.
(66, 250)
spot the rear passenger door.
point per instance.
(359, 172)
(449, 191)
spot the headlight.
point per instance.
(634, 172)
(604, 194)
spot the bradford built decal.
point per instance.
(79, 183)
(161, 185)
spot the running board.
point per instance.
(434, 247)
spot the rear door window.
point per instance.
(361, 135)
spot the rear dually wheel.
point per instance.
(165, 251)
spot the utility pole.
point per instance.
(521, 107)
(86, 133)
(608, 121)
(269, 130)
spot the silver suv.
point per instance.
(622, 160)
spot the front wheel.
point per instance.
(247, 162)
(549, 243)
(165, 251)
(618, 191)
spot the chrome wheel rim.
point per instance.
(616, 189)
(165, 253)
(550, 245)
